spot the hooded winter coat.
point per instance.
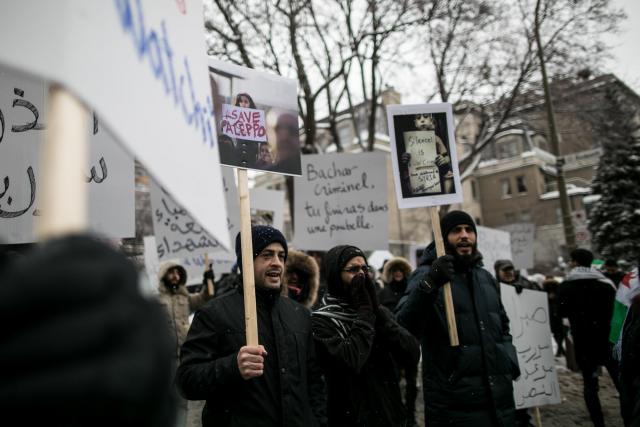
(586, 297)
(290, 393)
(308, 273)
(468, 385)
(390, 295)
(359, 351)
(178, 303)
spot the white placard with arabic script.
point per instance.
(342, 199)
(493, 245)
(522, 235)
(109, 172)
(177, 234)
(529, 323)
(142, 65)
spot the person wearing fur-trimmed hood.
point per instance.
(301, 278)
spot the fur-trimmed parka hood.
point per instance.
(394, 264)
(164, 268)
(309, 274)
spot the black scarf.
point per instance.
(339, 311)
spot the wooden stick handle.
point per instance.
(448, 297)
(248, 284)
(64, 198)
(210, 288)
(538, 418)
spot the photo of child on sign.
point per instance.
(424, 155)
(258, 121)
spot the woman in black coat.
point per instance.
(359, 345)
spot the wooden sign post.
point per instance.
(448, 298)
(248, 284)
(63, 202)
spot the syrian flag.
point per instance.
(629, 287)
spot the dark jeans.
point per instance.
(590, 378)
(410, 390)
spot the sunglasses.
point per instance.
(355, 269)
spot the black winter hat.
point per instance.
(81, 346)
(261, 236)
(334, 261)
(453, 219)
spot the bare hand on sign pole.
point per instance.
(248, 284)
(448, 298)
(251, 361)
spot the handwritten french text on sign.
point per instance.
(109, 172)
(141, 64)
(423, 171)
(522, 235)
(528, 314)
(493, 245)
(342, 199)
(243, 123)
(178, 235)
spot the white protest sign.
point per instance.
(178, 234)
(109, 172)
(423, 155)
(243, 123)
(342, 199)
(142, 66)
(493, 245)
(528, 314)
(222, 262)
(267, 207)
(522, 235)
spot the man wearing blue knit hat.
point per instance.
(273, 384)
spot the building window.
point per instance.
(558, 216)
(521, 184)
(474, 190)
(525, 215)
(510, 217)
(508, 149)
(505, 184)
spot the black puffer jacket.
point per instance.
(291, 391)
(630, 367)
(470, 384)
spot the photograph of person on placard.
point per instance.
(423, 154)
(258, 122)
(425, 164)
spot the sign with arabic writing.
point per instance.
(141, 64)
(178, 234)
(423, 154)
(109, 172)
(342, 199)
(529, 323)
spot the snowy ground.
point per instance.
(572, 411)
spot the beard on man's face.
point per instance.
(464, 254)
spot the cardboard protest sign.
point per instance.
(423, 155)
(222, 262)
(142, 66)
(528, 314)
(267, 207)
(178, 234)
(243, 123)
(259, 120)
(493, 245)
(522, 243)
(342, 199)
(109, 172)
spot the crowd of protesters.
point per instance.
(338, 346)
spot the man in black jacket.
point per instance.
(468, 385)
(274, 384)
(586, 297)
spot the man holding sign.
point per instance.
(273, 384)
(469, 384)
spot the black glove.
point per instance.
(208, 275)
(372, 290)
(358, 293)
(519, 289)
(441, 271)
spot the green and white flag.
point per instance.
(628, 288)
